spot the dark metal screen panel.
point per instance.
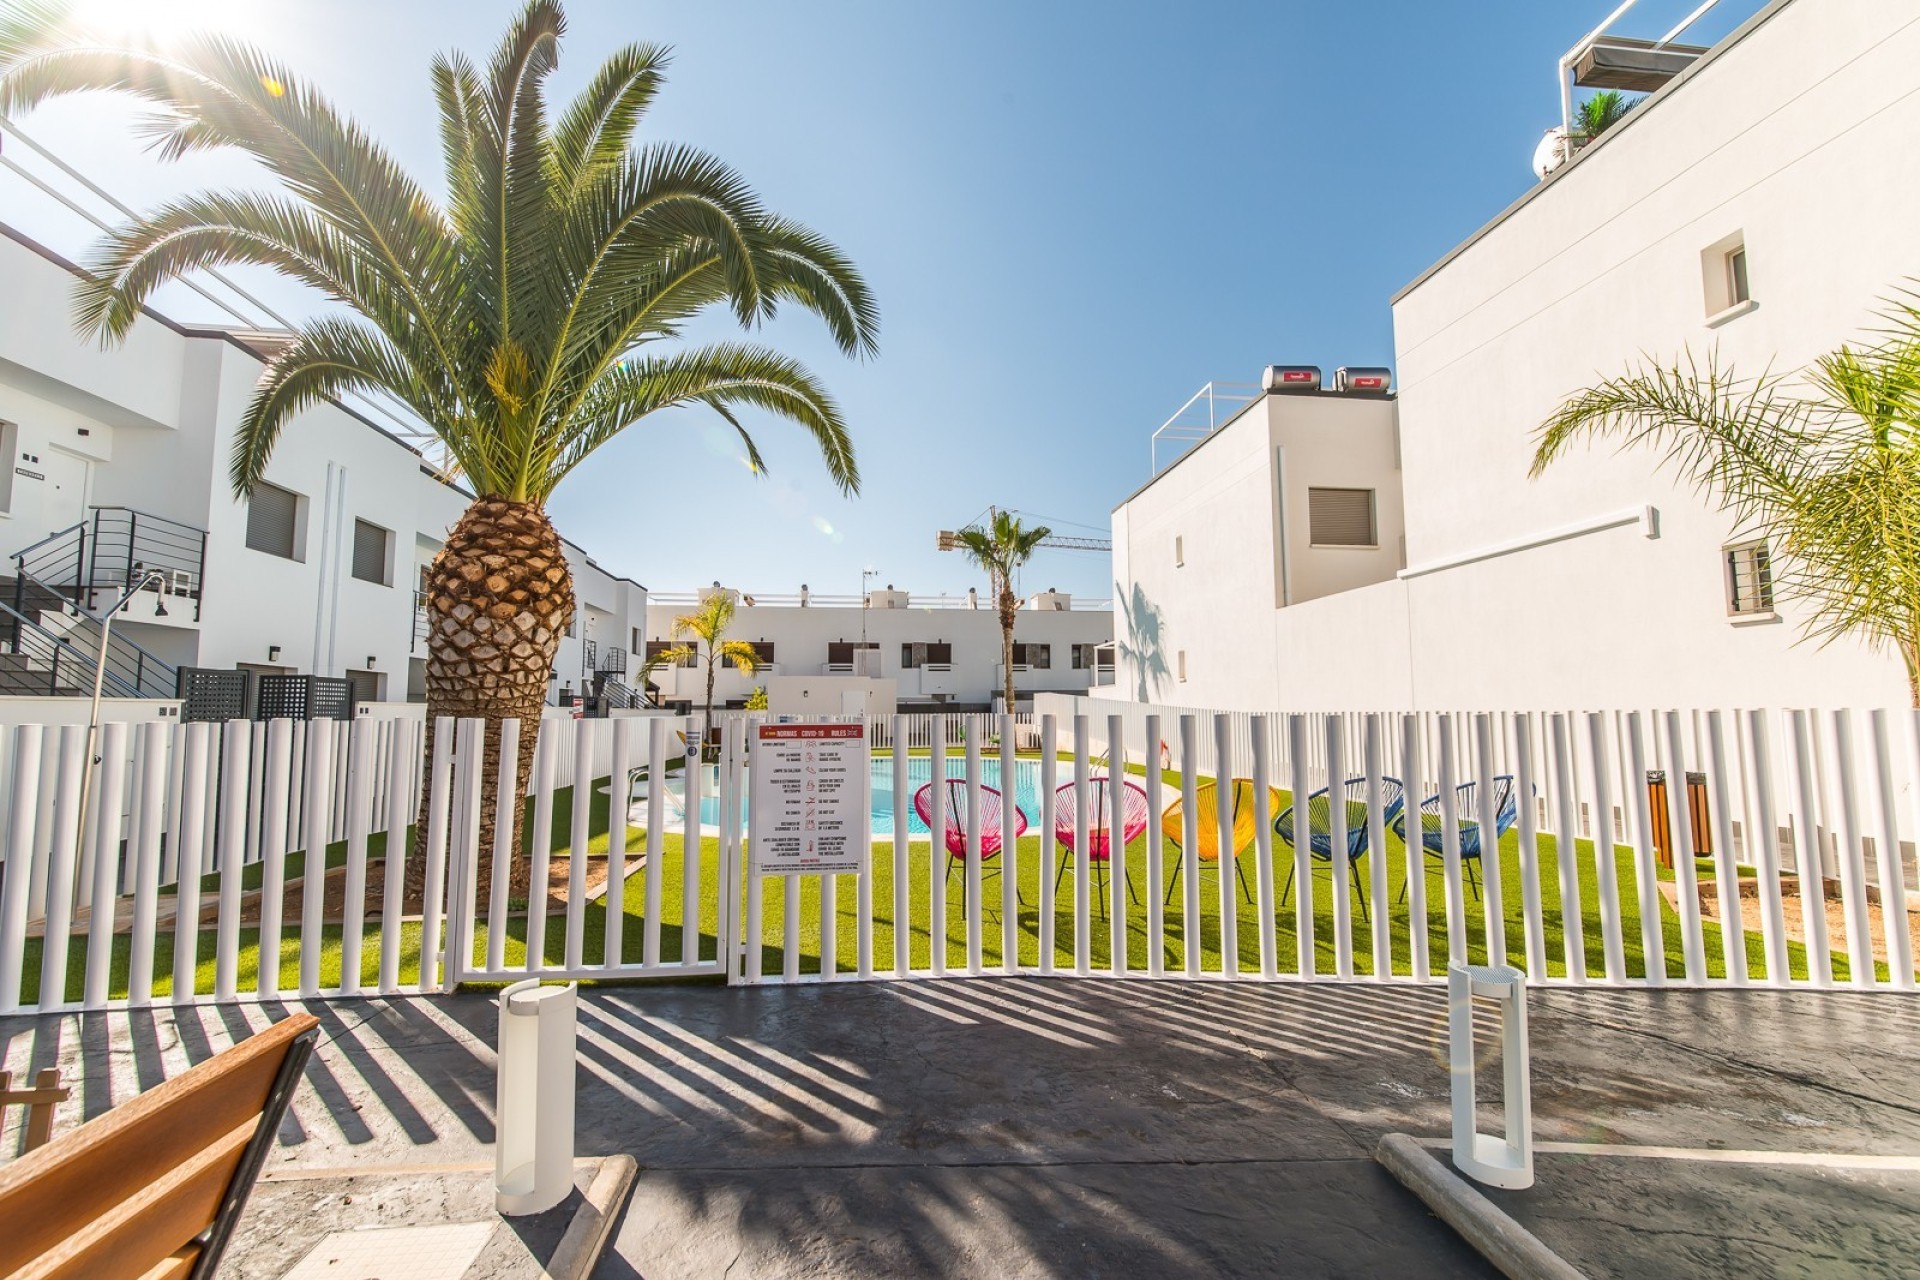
(304, 698)
(206, 694)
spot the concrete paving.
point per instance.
(1057, 1127)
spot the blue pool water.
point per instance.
(1026, 791)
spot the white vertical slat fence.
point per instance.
(199, 849)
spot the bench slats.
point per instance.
(188, 1134)
(174, 1267)
(152, 1222)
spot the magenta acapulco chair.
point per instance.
(1133, 821)
(992, 806)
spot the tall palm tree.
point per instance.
(525, 318)
(707, 645)
(1829, 474)
(1001, 548)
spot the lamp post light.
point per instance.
(865, 576)
(93, 711)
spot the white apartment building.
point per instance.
(119, 469)
(888, 650)
(1760, 205)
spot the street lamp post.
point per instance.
(865, 576)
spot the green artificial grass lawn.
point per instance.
(1029, 860)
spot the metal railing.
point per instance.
(111, 549)
(140, 673)
(1205, 412)
(819, 600)
(46, 663)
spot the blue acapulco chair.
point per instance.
(1320, 826)
(1466, 815)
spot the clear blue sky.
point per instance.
(1073, 214)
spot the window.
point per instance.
(1340, 518)
(1724, 280)
(1086, 657)
(372, 553)
(273, 521)
(923, 653)
(657, 647)
(1035, 657)
(841, 651)
(1180, 665)
(762, 651)
(1749, 580)
(1179, 551)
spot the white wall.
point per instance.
(1797, 135)
(1209, 551)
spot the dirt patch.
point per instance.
(1753, 920)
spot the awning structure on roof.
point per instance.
(1641, 66)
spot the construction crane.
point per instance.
(949, 540)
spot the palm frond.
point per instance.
(1829, 475)
(722, 375)
(521, 319)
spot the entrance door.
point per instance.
(63, 501)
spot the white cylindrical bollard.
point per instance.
(533, 1142)
(1498, 1161)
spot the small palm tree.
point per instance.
(1601, 112)
(1830, 475)
(522, 319)
(1001, 548)
(707, 645)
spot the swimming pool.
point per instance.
(1026, 792)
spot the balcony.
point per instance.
(929, 679)
(93, 563)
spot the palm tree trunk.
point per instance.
(706, 718)
(499, 597)
(1007, 617)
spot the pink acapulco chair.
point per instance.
(1133, 820)
(991, 807)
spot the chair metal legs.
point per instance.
(1174, 884)
(1100, 880)
(1473, 879)
(1352, 880)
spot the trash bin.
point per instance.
(533, 1138)
(1499, 1161)
(1699, 820)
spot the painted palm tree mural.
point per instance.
(1141, 642)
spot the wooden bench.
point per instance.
(152, 1189)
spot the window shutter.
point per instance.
(1340, 517)
(369, 552)
(272, 513)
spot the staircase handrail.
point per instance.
(142, 656)
(21, 624)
